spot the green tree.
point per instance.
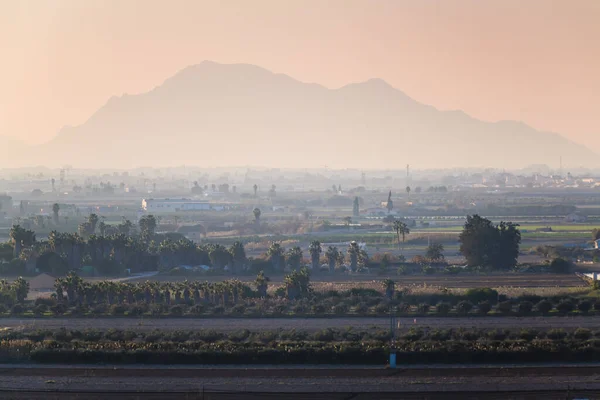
(21, 288)
(261, 282)
(297, 283)
(55, 210)
(147, 227)
(238, 256)
(275, 254)
(390, 203)
(257, 214)
(353, 254)
(560, 266)
(21, 238)
(401, 230)
(435, 252)
(294, 257)
(389, 286)
(332, 254)
(408, 192)
(315, 253)
(347, 221)
(93, 221)
(485, 244)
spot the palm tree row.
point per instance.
(75, 291)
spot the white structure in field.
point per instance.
(175, 205)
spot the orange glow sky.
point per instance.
(537, 61)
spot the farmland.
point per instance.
(145, 324)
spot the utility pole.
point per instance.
(392, 338)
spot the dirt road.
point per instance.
(310, 324)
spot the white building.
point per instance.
(175, 205)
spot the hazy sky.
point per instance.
(532, 60)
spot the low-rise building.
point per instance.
(176, 205)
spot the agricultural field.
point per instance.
(344, 282)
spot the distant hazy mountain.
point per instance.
(214, 115)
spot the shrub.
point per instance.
(238, 309)
(565, 307)
(318, 308)
(280, 292)
(40, 309)
(423, 308)
(497, 334)
(404, 308)
(218, 310)
(585, 306)
(17, 309)
(560, 266)
(382, 308)
(556, 334)
(484, 307)
(136, 310)
(340, 309)
(477, 295)
(197, 309)
(280, 309)
(505, 307)
(117, 309)
(58, 309)
(176, 310)
(443, 308)
(525, 307)
(361, 308)
(363, 292)
(544, 306)
(527, 334)
(325, 335)
(597, 306)
(299, 309)
(402, 270)
(48, 301)
(582, 334)
(157, 309)
(464, 307)
(100, 309)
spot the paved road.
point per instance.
(312, 324)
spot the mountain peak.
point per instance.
(213, 114)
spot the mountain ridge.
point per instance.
(258, 116)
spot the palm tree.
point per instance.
(238, 256)
(315, 253)
(275, 254)
(102, 228)
(332, 255)
(353, 253)
(55, 210)
(261, 283)
(389, 287)
(294, 257)
(255, 187)
(401, 230)
(59, 287)
(17, 234)
(93, 221)
(256, 213)
(408, 192)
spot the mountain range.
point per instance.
(214, 114)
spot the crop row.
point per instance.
(293, 347)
